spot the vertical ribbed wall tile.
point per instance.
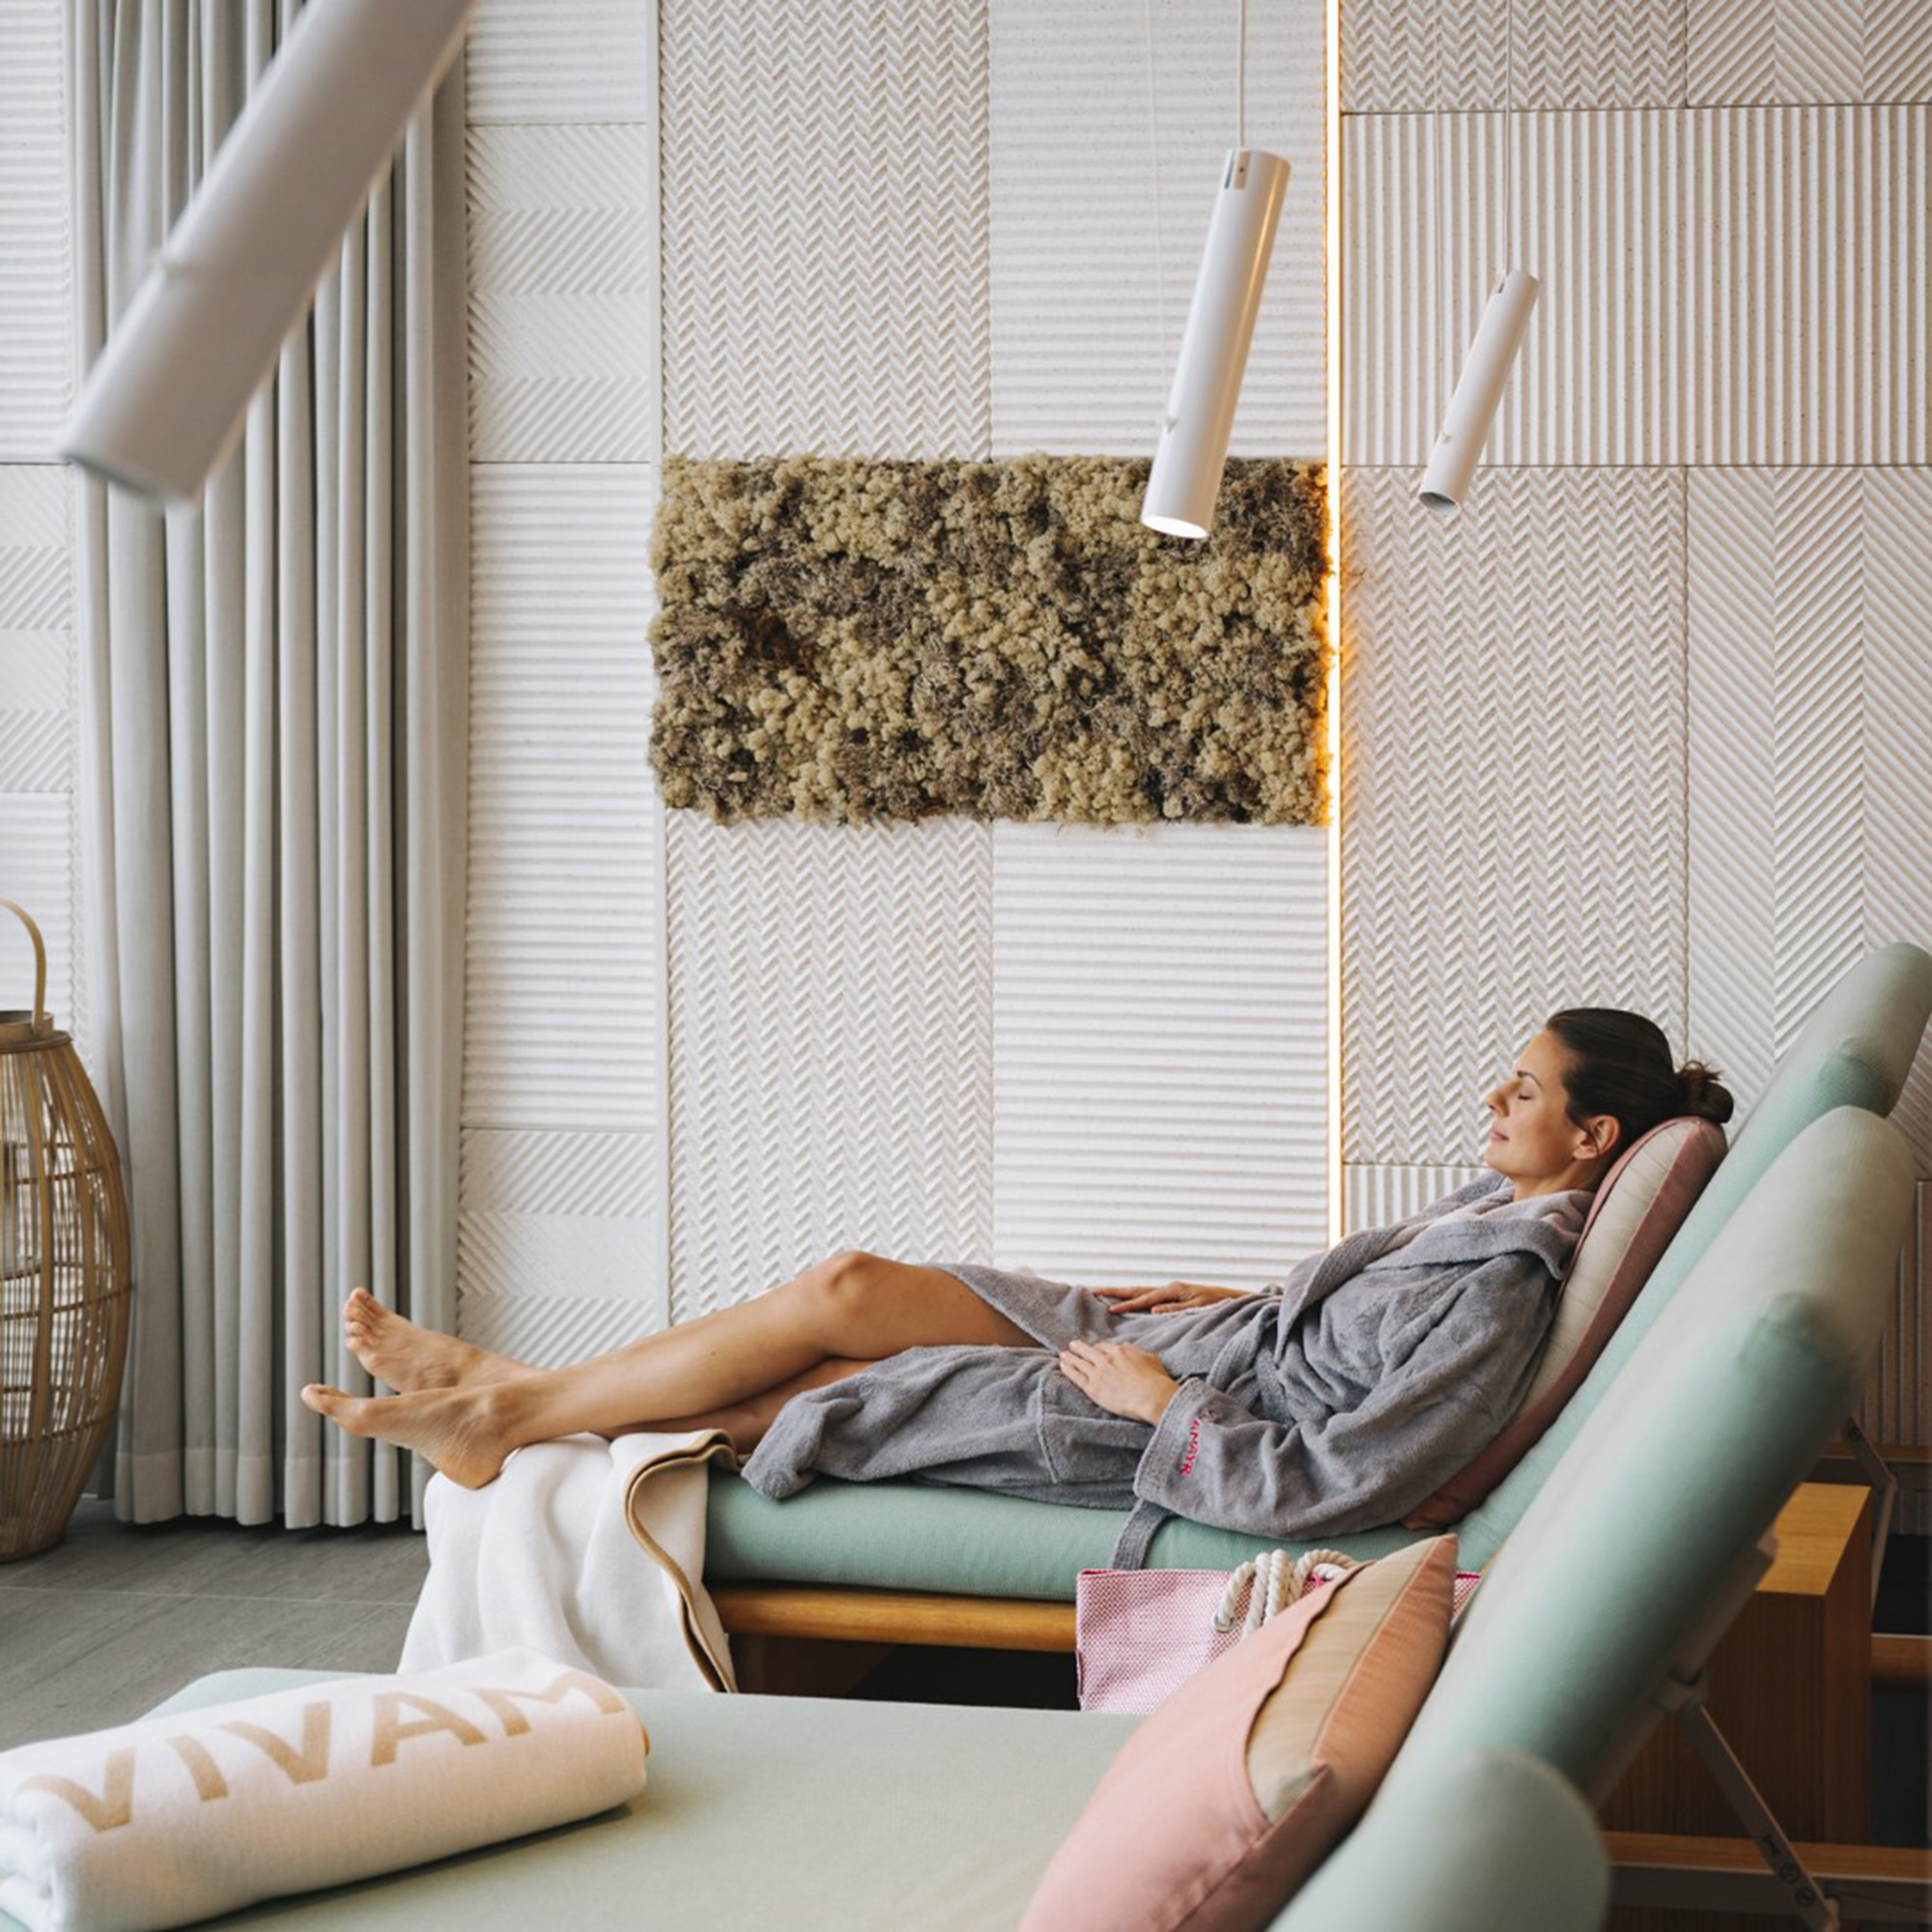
(1747, 286)
(35, 325)
(1371, 1197)
(1160, 1059)
(1744, 51)
(1097, 227)
(568, 1215)
(1810, 791)
(831, 1025)
(1595, 214)
(1808, 285)
(825, 227)
(1422, 56)
(563, 346)
(1513, 784)
(591, 62)
(563, 1018)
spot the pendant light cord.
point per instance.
(1241, 77)
(1509, 139)
(1159, 253)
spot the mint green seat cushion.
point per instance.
(762, 1812)
(917, 1536)
(1489, 1839)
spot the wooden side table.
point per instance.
(1791, 1691)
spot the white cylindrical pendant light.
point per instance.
(1472, 409)
(1193, 449)
(166, 398)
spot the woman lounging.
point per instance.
(1335, 1401)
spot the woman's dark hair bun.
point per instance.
(1704, 1094)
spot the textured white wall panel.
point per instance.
(1160, 1052)
(1089, 247)
(35, 629)
(564, 343)
(551, 1331)
(825, 227)
(1513, 724)
(1745, 286)
(565, 941)
(1417, 56)
(549, 1215)
(1811, 791)
(1809, 279)
(1371, 1197)
(831, 1025)
(592, 60)
(36, 357)
(1803, 51)
(1412, 56)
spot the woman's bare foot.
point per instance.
(409, 1358)
(457, 1430)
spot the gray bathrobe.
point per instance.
(1335, 1401)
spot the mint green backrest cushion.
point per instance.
(1856, 1051)
(1489, 1839)
(1635, 1536)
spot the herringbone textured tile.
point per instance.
(831, 1049)
(825, 228)
(1416, 56)
(593, 62)
(601, 1175)
(562, 240)
(552, 1331)
(1513, 789)
(36, 354)
(1810, 789)
(1097, 225)
(1160, 1052)
(1806, 50)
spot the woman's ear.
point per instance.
(1599, 1137)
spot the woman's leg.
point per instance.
(853, 1308)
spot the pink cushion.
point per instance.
(1235, 1789)
(1636, 1216)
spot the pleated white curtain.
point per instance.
(275, 691)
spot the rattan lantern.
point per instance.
(63, 1274)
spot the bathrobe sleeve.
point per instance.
(1367, 1464)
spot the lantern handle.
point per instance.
(40, 963)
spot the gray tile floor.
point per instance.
(104, 1626)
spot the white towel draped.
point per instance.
(587, 1551)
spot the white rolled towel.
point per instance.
(183, 1816)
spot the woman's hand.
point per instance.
(1177, 1294)
(1120, 1378)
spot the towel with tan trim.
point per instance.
(186, 1815)
(587, 1551)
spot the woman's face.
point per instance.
(1531, 1137)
